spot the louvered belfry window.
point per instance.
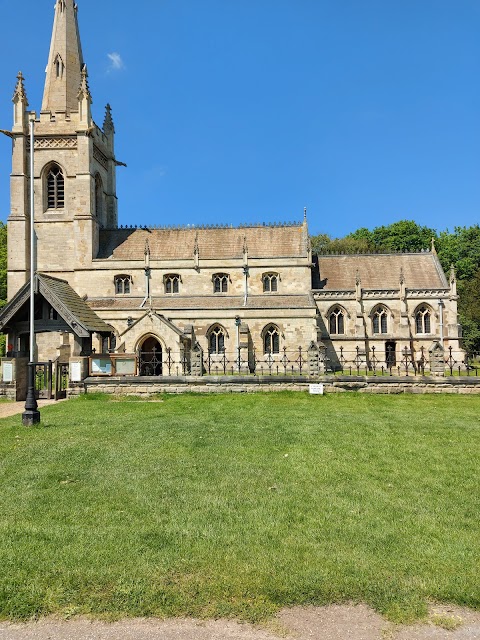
(55, 188)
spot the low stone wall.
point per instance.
(238, 384)
(8, 390)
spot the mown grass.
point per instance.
(238, 505)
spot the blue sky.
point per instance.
(230, 111)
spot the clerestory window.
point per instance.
(220, 282)
(172, 283)
(55, 188)
(123, 284)
(270, 282)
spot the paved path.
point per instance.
(299, 623)
(8, 409)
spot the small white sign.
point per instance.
(75, 372)
(316, 390)
(8, 372)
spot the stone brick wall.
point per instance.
(233, 384)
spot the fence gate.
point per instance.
(43, 380)
(61, 380)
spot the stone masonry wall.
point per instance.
(229, 384)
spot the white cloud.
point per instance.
(116, 61)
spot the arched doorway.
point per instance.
(150, 357)
(391, 353)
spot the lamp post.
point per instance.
(441, 306)
(31, 415)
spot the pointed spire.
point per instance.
(65, 62)
(434, 249)
(84, 89)
(402, 276)
(108, 126)
(20, 94)
(20, 104)
(84, 99)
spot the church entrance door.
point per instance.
(150, 360)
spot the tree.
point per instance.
(404, 235)
(462, 249)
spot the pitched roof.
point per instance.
(381, 271)
(172, 303)
(213, 243)
(66, 302)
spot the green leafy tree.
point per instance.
(462, 249)
(405, 235)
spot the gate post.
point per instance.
(197, 360)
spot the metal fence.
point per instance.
(369, 362)
(287, 362)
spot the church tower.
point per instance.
(74, 176)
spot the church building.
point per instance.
(173, 297)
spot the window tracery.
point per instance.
(270, 282)
(123, 284)
(423, 322)
(172, 283)
(55, 188)
(336, 321)
(220, 282)
(271, 339)
(380, 320)
(216, 340)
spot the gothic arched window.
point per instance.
(270, 282)
(55, 188)
(123, 284)
(380, 320)
(336, 321)
(220, 282)
(216, 339)
(172, 283)
(271, 339)
(423, 322)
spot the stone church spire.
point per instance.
(65, 62)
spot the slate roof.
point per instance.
(69, 298)
(206, 302)
(381, 271)
(68, 304)
(215, 243)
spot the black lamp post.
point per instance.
(31, 415)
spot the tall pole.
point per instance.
(440, 308)
(31, 415)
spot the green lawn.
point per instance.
(238, 505)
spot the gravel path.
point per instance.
(8, 409)
(299, 623)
